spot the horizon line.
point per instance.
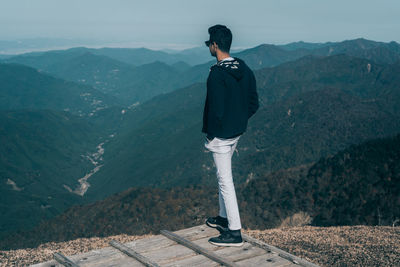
(165, 47)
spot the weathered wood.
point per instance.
(197, 232)
(150, 244)
(240, 253)
(197, 248)
(163, 250)
(107, 256)
(64, 260)
(197, 260)
(266, 260)
(131, 253)
(124, 261)
(280, 252)
(170, 254)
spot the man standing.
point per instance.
(231, 100)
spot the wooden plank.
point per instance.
(201, 234)
(130, 252)
(107, 256)
(170, 254)
(280, 252)
(197, 232)
(267, 260)
(194, 229)
(197, 260)
(150, 244)
(183, 256)
(125, 261)
(240, 253)
(64, 260)
(197, 248)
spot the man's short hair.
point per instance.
(221, 35)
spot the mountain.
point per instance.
(181, 66)
(378, 52)
(2, 57)
(45, 60)
(103, 73)
(130, 56)
(42, 154)
(23, 87)
(310, 108)
(360, 77)
(18, 46)
(127, 83)
(272, 55)
(135, 56)
(303, 45)
(331, 103)
(105, 70)
(269, 55)
(141, 56)
(311, 125)
(358, 185)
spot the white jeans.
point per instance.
(222, 150)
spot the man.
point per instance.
(231, 100)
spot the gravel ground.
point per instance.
(337, 246)
(325, 246)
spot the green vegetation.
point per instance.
(40, 152)
(359, 185)
(312, 107)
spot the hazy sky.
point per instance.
(179, 23)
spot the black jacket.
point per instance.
(231, 99)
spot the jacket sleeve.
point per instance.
(215, 93)
(253, 96)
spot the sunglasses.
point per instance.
(208, 43)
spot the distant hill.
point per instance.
(42, 152)
(113, 71)
(378, 52)
(358, 185)
(357, 76)
(313, 117)
(131, 56)
(269, 56)
(23, 87)
(303, 45)
(272, 55)
(141, 56)
(265, 55)
(127, 83)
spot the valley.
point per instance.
(82, 126)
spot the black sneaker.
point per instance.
(218, 222)
(230, 238)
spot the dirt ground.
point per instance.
(325, 246)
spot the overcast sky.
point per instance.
(181, 24)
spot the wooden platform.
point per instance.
(162, 250)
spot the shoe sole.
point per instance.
(227, 244)
(216, 226)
